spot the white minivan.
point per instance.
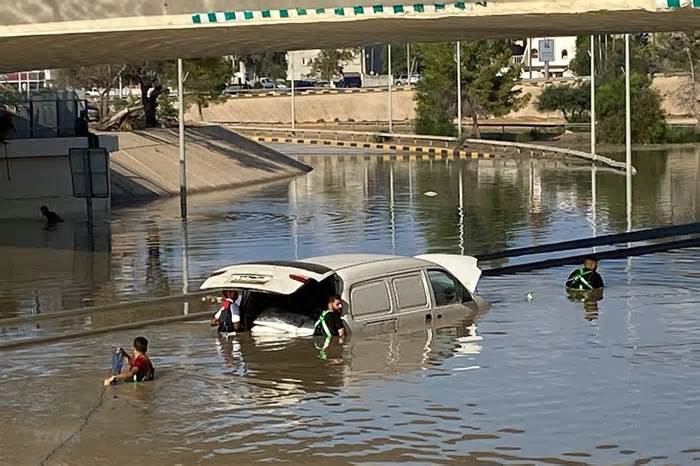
(380, 293)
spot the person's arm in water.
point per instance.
(128, 375)
(214, 322)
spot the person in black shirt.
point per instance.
(586, 278)
(329, 324)
(52, 218)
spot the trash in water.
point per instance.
(529, 296)
(430, 193)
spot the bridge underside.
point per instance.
(33, 44)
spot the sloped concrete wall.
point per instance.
(146, 166)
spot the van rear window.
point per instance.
(372, 298)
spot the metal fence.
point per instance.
(45, 118)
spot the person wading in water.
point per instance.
(586, 278)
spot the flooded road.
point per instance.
(550, 381)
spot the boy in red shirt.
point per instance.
(140, 367)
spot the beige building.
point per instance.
(299, 64)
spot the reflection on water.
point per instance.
(542, 378)
(372, 205)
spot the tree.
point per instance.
(435, 93)
(100, 77)
(329, 63)
(205, 78)
(648, 120)
(610, 56)
(267, 64)
(148, 75)
(574, 101)
(9, 96)
(488, 84)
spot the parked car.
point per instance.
(268, 83)
(233, 89)
(403, 80)
(349, 80)
(380, 293)
(304, 84)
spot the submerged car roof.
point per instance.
(288, 276)
(344, 261)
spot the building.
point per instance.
(26, 81)
(299, 64)
(527, 53)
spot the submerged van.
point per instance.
(380, 293)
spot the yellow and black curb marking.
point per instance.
(401, 151)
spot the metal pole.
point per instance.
(408, 63)
(529, 55)
(594, 188)
(181, 127)
(391, 82)
(291, 55)
(593, 149)
(459, 89)
(628, 134)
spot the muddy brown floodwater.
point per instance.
(550, 381)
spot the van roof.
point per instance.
(343, 261)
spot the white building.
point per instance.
(299, 64)
(531, 57)
(27, 81)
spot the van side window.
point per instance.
(410, 292)
(446, 289)
(372, 298)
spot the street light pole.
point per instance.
(291, 56)
(181, 129)
(391, 82)
(593, 138)
(628, 134)
(459, 89)
(594, 168)
(408, 63)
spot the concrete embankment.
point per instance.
(373, 106)
(146, 166)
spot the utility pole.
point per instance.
(594, 168)
(459, 89)
(408, 63)
(593, 138)
(391, 82)
(291, 57)
(529, 55)
(181, 128)
(628, 134)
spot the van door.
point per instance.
(449, 297)
(411, 298)
(371, 307)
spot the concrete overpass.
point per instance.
(59, 33)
